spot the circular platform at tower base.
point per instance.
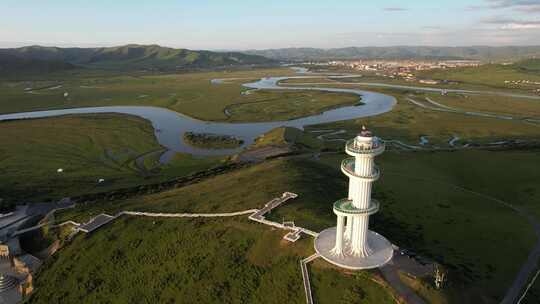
(381, 247)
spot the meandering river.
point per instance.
(170, 126)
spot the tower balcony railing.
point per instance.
(352, 148)
(345, 207)
(347, 167)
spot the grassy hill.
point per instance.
(153, 57)
(14, 65)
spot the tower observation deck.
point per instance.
(351, 244)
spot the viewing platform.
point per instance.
(347, 167)
(345, 207)
(354, 149)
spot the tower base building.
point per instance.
(351, 244)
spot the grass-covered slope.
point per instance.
(190, 260)
(17, 66)
(208, 260)
(137, 57)
(423, 209)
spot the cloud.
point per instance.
(524, 6)
(395, 9)
(512, 24)
(432, 27)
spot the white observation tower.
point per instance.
(351, 244)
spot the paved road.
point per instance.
(390, 274)
(528, 269)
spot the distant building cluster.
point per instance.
(524, 83)
(396, 67)
(401, 69)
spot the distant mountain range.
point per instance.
(127, 57)
(40, 59)
(484, 53)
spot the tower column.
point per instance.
(338, 248)
(349, 228)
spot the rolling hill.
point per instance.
(14, 65)
(131, 56)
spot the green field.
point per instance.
(489, 75)
(87, 148)
(284, 105)
(180, 260)
(407, 122)
(519, 107)
(288, 136)
(192, 94)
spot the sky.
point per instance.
(255, 24)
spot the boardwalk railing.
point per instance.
(305, 277)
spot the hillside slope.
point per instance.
(10, 64)
(135, 57)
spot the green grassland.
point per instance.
(407, 122)
(490, 75)
(274, 105)
(288, 136)
(87, 148)
(423, 209)
(180, 260)
(490, 104)
(192, 94)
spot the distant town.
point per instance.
(408, 70)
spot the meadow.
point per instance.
(193, 94)
(86, 148)
(178, 260)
